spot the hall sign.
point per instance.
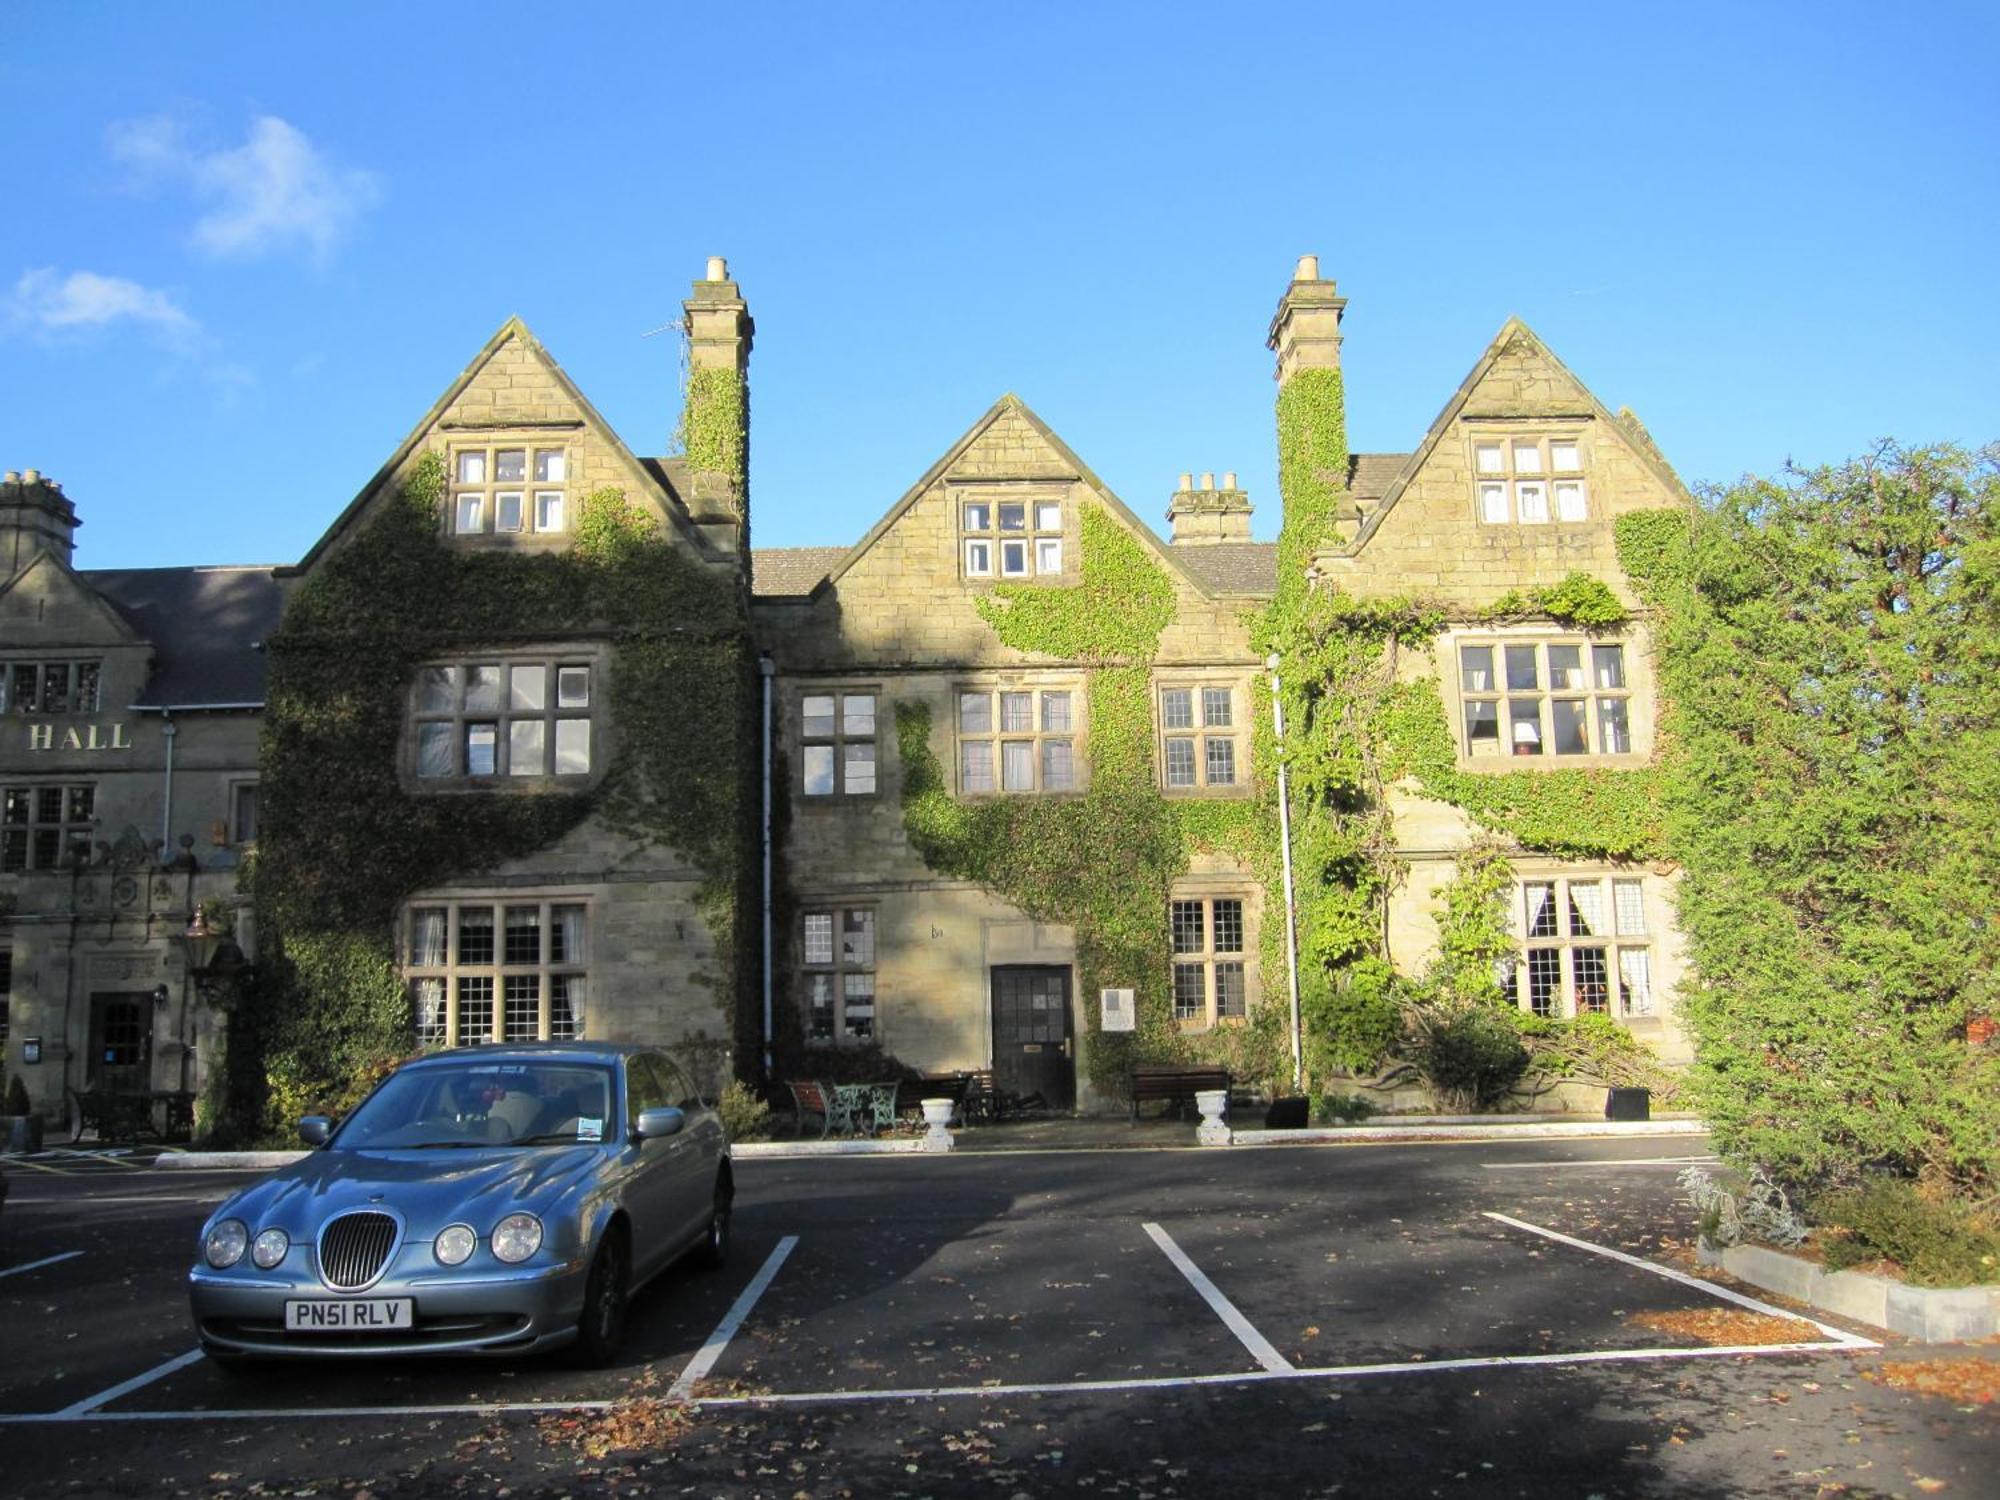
(78, 737)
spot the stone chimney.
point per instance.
(1207, 516)
(716, 424)
(1305, 332)
(35, 517)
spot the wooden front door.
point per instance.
(121, 1043)
(1032, 1038)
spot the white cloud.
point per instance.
(276, 191)
(52, 303)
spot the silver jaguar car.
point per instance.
(496, 1199)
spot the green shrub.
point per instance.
(744, 1115)
(1346, 1109)
(17, 1097)
(1470, 1058)
(1889, 1218)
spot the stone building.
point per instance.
(131, 775)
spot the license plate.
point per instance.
(360, 1314)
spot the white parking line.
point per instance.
(977, 1392)
(706, 1356)
(89, 1404)
(1259, 1346)
(1622, 1161)
(36, 1265)
(1839, 1335)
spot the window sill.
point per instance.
(1502, 764)
(1234, 791)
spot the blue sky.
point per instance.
(247, 246)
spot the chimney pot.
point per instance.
(1208, 481)
(1187, 481)
(718, 268)
(1308, 268)
(1229, 481)
(31, 476)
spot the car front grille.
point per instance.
(353, 1249)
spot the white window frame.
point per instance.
(483, 495)
(1526, 488)
(842, 742)
(1549, 975)
(1601, 702)
(987, 549)
(436, 977)
(843, 971)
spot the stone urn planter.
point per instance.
(1213, 1104)
(937, 1116)
(20, 1133)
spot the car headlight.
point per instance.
(225, 1244)
(269, 1248)
(455, 1244)
(517, 1237)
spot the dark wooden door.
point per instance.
(121, 1042)
(1031, 1034)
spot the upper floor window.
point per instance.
(1016, 740)
(1011, 538)
(503, 718)
(838, 734)
(839, 973)
(50, 687)
(41, 824)
(1199, 735)
(490, 971)
(509, 490)
(1545, 697)
(1529, 480)
(1210, 977)
(1585, 947)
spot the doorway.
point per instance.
(121, 1043)
(1033, 1039)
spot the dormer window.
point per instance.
(1011, 538)
(1529, 481)
(505, 489)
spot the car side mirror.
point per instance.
(314, 1129)
(654, 1123)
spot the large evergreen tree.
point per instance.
(1829, 654)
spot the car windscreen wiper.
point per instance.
(443, 1146)
(554, 1138)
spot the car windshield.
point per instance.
(473, 1104)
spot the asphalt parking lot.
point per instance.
(1476, 1318)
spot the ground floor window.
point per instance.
(1585, 947)
(491, 970)
(839, 973)
(1210, 978)
(41, 824)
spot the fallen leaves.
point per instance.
(1723, 1326)
(1968, 1381)
(643, 1424)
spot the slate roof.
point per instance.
(204, 624)
(790, 572)
(1233, 567)
(1369, 475)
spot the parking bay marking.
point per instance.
(1620, 1161)
(87, 1407)
(1839, 1335)
(706, 1356)
(36, 1265)
(1246, 1334)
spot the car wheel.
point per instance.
(713, 1251)
(601, 1328)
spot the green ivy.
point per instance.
(343, 844)
(1103, 861)
(715, 427)
(1579, 600)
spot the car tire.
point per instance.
(713, 1252)
(600, 1329)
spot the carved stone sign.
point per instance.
(78, 737)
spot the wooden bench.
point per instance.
(127, 1114)
(812, 1098)
(1179, 1082)
(973, 1094)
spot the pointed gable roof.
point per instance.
(662, 492)
(1511, 331)
(1074, 468)
(69, 581)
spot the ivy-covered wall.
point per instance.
(345, 843)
